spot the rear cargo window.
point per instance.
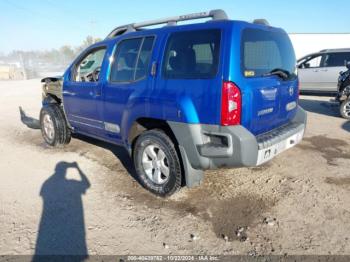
(193, 54)
(264, 51)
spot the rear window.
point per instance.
(192, 54)
(265, 51)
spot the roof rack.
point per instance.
(217, 14)
(261, 21)
(335, 50)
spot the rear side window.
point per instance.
(336, 59)
(131, 60)
(264, 51)
(193, 54)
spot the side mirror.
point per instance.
(348, 65)
(306, 65)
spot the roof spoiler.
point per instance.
(217, 14)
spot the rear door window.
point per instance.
(131, 60)
(336, 59)
(192, 54)
(144, 58)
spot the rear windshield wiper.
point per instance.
(284, 74)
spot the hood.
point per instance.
(51, 79)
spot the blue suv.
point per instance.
(181, 98)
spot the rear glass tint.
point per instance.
(192, 54)
(264, 51)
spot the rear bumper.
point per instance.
(210, 146)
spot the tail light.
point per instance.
(231, 104)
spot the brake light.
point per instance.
(231, 104)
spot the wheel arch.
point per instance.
(51, 99)
(145, 123)
(191, 177)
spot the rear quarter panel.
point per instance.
(189, 100)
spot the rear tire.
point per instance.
(345, 109)
(157, 163)
(54, 127)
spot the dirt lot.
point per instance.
(299, 203)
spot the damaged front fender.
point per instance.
(52, 89)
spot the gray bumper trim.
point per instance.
(214, 146)
(278, 134)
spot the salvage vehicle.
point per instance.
(343, 94)
(181, 98)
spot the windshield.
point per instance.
(264, 52)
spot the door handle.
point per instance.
(154, 69)
(315, 70)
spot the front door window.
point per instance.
(314, 62)
(88, 69)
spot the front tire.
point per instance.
(157, 163)
(345, 109)
(54, 127)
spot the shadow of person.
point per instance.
(62, 227)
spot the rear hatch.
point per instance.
(268, 80)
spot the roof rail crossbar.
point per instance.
(217, 14)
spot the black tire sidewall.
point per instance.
(62, 133)
(164, 143)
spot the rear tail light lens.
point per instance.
(231, 104)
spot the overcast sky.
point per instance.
(46, 24)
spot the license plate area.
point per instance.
(270, 152)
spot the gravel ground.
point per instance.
(299, 203)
